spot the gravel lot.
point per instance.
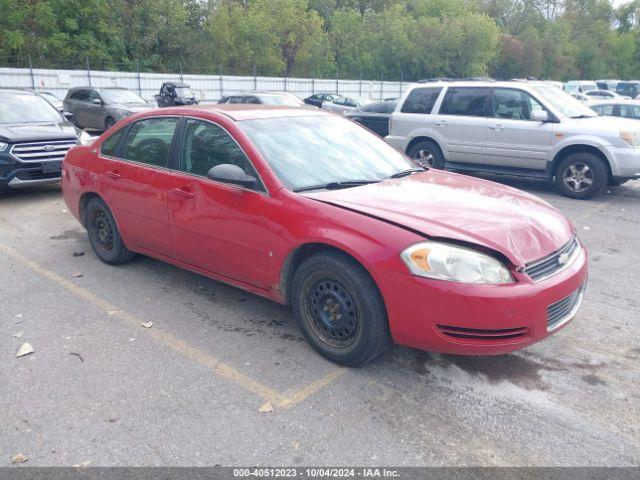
(102, 388)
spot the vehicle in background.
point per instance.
(607, 84)
(374, 116)
(314, 211)
(101, 108)
(618, 107)
(629, 89)
(52, 99)
(346, 104)
(580, 96)
(34, 138)
(601, 95)
(174, 94)
(580, 86)
(318, 98)
(523, 129)
(285, 99)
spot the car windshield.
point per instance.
(564, 103)
(317, 150)
(23, 108)
(184, 92)
(280, 100)
(120, 96)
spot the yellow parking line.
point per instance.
(205, 359)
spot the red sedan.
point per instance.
(312, 210)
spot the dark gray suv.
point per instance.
(101, 108)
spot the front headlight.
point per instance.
(84, 138)
(122, 113)
(444, 261)
(3, 146)
(631, 138)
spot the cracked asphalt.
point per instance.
(101, 388)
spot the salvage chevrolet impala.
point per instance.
(310, 209)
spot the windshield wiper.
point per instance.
(405, 173)
(336, 185)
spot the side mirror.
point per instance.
(539, 116)
(96, 101)
(229, 173)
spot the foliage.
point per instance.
(394, 39)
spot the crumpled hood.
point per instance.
(36, 131)
(522, 227)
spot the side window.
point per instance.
(630, 111)
(206, 145)
(349, 102)
(340, 101)
(82, 95)
(605, 109)
(513, 104)
(421, 100)
(93, 95)
(149, 141)
(467, 101)
(110, 145)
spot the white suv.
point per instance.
(514, 128)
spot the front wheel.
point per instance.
(339, 309)
(427, 154)
(103, 233)
(582, 176)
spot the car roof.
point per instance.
(480, 83)
(16, 91)
(244, 111)
(613, 101)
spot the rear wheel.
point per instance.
(582, 175)
(339, 309)
(427, 154)
(103, 233)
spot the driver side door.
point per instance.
(215, 226)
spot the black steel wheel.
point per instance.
(339, 308)
(103, 233)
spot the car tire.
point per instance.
(108, 123)
(339, 309)
(427, 154)
(104, 235)
(581, 175)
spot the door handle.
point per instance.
(113, 174)
(183, 192)
(496, 127)
(441, 123)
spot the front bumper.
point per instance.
(466, 319)
(17, 174)
(624, 161)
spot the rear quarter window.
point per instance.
(421, 100)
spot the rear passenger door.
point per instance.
(415, 117)
(462, 122)
(135, 177)
(513, 139)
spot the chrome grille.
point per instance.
(563, 310)
(42, 151)
(557, 261)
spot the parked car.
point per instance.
(580, 86)
(318, 98)
(629, 89)
(607, 84)
(101, 108)
(265, 98)
(52, 99)
(34, 138)
(173, 94)
(312, 210)
(601, 94)
(617, 108)
(374, 116)
(346, 104)
(528, 130)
